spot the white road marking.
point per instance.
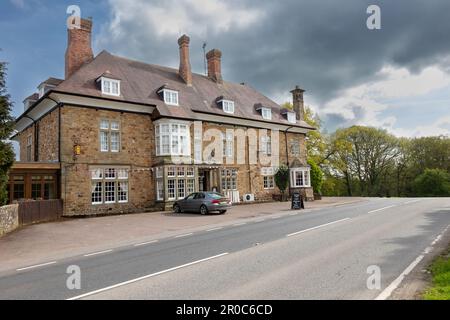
(239, 224)
(412, 201)
(184, 235)
(436, 240)
(96, 253)
(144, 243)
(388, 291)
(384, 208)
(316, 227)
(293, 214)
(36, 266)
(260, 220)
(146, 277)
(276, 217)
(214, 229)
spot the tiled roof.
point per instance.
(141, 81)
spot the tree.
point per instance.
(6, 129)
(433, 182)
(364, 155)
(316, 176)
(318, 147)
(282, 179)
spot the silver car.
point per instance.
(203, 202)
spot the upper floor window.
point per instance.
(109, 136)
(170, 97)
(291, 116)
(172, 139)
(228, 106)
(266, 113)
(265, 145)
(110, 86)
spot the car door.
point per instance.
(198, 201)
(188, 202)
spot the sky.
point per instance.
(396, 78)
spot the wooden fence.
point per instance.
(39, 211)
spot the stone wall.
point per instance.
(23, 136)
(9, 218)
(82, 126)
(48, 137)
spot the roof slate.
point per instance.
(141, 81)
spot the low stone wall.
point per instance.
(9, 218)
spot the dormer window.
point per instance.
(110, 86)
(170, 97)
(291, 117)
(227, 105)
(266, 113)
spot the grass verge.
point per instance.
(440, 287)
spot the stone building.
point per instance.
(118, 135)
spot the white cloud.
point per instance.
(174, 17)
(364, 104)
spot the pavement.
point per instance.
(38, 243)
(319, 253)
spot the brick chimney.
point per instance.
(79, 50)
(214, 65)
(297, 102)
(185, 64)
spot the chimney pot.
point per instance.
(79, 49)
(185, 64)
(214, 65)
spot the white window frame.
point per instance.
(265, 144)
(119, 175)
(171, 97)
(228, 106)
(292, 117)
(181, 136)
(268, 182)
(108, 85)
(106, 133)
(266, 113)
(306, 177)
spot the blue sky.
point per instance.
(396, 78)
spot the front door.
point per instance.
(203, 180)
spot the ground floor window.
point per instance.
(268, 182)
(268, 177)
(300, 177)
(229, 179)
(109, 185)
(174, 182)
(36, 186)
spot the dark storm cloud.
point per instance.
(322, 45)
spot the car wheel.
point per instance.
(203, 210)
(176, 208)
(222, 211)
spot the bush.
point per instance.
(316, 176)
(432, 182)
(282, 178)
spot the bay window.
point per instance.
(172, 139)
(300, 177)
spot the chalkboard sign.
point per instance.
(297, 201)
